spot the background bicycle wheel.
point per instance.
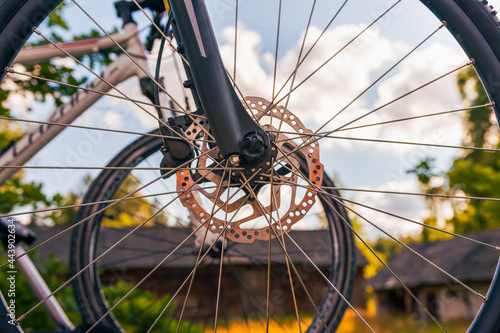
(357, 164)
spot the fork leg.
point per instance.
(229, 121)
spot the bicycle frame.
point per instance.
(118, 71)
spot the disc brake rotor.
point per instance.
(245, 202)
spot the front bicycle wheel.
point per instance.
(363, 90)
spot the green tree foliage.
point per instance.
(425, 173)
(131, 212)
(477, 173)
(141, 308)
(474, 173)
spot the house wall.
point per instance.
(453, 302)
(446, 302)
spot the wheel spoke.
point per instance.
(235, 41)
(325, 188)
(310, 49)
(339, 200)
(478, 294)
(423, 144)
(314, 265)
(200, 251)
(381, 76)
(469, 63)
(472, 108)
(321, 194)
(269, 221)
(146, 72)
(106, 168)
(81, 127)
(222, 254)
(429, 195)
(273, 197)
(161, 121)
(298, 61)
(336, 53)
(188, 278)
(93, 203)
(318, 136)
(105, 252)
(12, 71)
(275, 68)
(268, 284)
(103, 209)
(158, 265)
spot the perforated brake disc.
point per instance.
(246, 208)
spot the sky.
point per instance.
(353, 164)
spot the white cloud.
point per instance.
(336, 85)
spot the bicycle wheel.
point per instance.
(385, 75)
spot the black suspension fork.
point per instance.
(235, 132)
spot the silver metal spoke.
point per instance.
(12, 71)
(339, 200)
(469, 63)
(401, 143)
(316, 267)
(55, 167)
(338, 52)
(472, 108)
(295, 71)
(268, 284)
(266, 214)
(103, 209)
(200, 251)
(497, 248)
(81, 127)
(275, 68)
(311, 48)
(93, 203)
(382, 76)
(273, 197)
(222, 253)
(430, 195)
(235, 41)
(478, 294)
(146, 72)
(325, 134)
(158, 265)
(193, 270)
(317, 188)
(105, 252)
(161, 121)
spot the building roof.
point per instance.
(157, 242)
(466, 260)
